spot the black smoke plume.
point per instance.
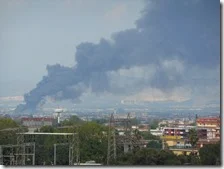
(188, 31)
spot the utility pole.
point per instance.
(114, 145)
(55, 153)
(108, 146)
(1, 156)
(77, 148)
(70, 154)
(163, 143)
(34, 151)
(23, 156)
(74, 152)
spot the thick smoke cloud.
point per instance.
(170, 30)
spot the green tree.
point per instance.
(8, 130)
(73, 120)
(6, 123)
(183, 159)
(145, 157)
(155, 144)
(167, 157)
(154, 123)
(194, 159)
(193, 137)
(210, 154)
(123, 159)
(148, 136)
(62, 155)
(100, 121)
(148, 156)
(93, 139)
(47, 129)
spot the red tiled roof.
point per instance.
(211, 119)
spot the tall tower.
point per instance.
(127, 140)
(58, 112)
(111, 149)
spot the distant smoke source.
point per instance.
(168, 30)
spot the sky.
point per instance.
(95, 52)
(34, 34)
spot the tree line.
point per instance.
(93, 146)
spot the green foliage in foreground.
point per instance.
(7, 123)
(155, 144)
(93, 146)
(7, 134)
(149, 156)
(210, 154)
(93, 143)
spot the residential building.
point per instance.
(208, 122)
(211, 124)
(156, 132)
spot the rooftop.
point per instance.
(37, 119)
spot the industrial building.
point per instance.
(37, 122)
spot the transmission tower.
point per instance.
(74, 152)
(20, 151)
(74, 149)
(14, 154)
(127, 140)
(111, 151)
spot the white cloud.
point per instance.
(173, 65)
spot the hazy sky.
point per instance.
(154, 51)
(34, 34)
